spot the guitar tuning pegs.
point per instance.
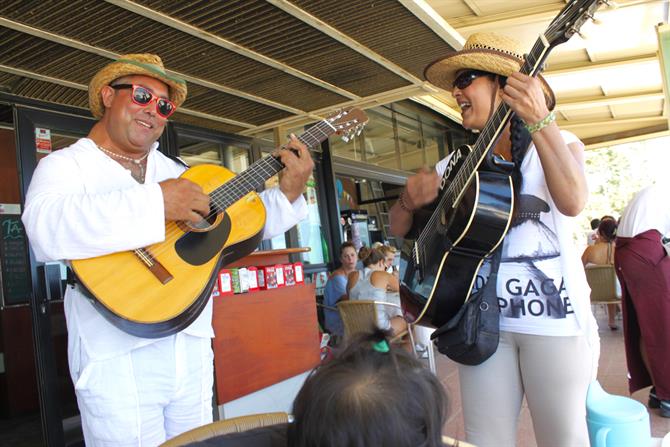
(345, 138)
(359, 130)
(610, 4)
(593, 19)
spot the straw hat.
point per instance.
(128, 65)
(486, 52)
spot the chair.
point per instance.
(603, 282)
(223, 427)
(361, 316)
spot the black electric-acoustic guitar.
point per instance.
(474, 205)
(158, 290)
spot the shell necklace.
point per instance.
(136, 166)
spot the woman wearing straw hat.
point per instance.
(112, 191)
(548, 345)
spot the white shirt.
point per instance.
(648, 210)
(81, 203)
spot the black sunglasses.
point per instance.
(464, 79)
(143, 96)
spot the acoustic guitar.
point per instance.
(158, 290)
(474, 205)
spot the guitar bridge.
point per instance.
(154, 266)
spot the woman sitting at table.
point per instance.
(336, 288)
(374, 283)
(602, 253)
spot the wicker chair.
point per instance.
(361, 316)
(233, 425)
(603, 282)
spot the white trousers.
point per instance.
(554, 374)
(147, 396)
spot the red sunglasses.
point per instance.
(143, 96)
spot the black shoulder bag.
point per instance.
(471, 336)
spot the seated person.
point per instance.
(375, 284)
(336, 288)
(389, 257)
(602, 253)
(369, 394)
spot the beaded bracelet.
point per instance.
(544, 122)
(403, 205)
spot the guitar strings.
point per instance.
(233, 190)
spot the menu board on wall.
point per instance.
(13, 260)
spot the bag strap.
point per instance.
(493, 276)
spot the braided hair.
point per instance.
(520, 140)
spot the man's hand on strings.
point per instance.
(184, 200)
(298, 168)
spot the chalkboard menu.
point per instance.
(13, 260)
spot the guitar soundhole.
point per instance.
(206, 223)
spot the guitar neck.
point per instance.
(259, 172)
(493, 129)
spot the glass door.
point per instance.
(38, 134)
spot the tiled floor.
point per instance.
(612, 375)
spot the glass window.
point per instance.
(196, 151)
(412, 155)
(379, 139)
(353, 149)
(434, 143)
(310, 231)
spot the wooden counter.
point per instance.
(264, 337)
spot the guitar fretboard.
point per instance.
(260, 171)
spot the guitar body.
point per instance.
(134, 299)
(441, 269)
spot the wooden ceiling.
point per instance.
(608, 81)
(254, 65)
(250, 64)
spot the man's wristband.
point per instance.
(403, 204)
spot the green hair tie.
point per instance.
(381, 346)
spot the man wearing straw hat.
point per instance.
(548, 346)
(112, 191)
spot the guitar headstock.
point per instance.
(348, 122)
(570, 20)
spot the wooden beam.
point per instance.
(344, 39)
(599, 101)
(581, 67)
(514, 17)
(473, 7)
(570, 125)
(164, 19)
(363, 103)
(424, 12)
(63, 82)
(519, 17)
(627, 136)
(62, 40)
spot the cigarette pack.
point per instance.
(225, 282)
